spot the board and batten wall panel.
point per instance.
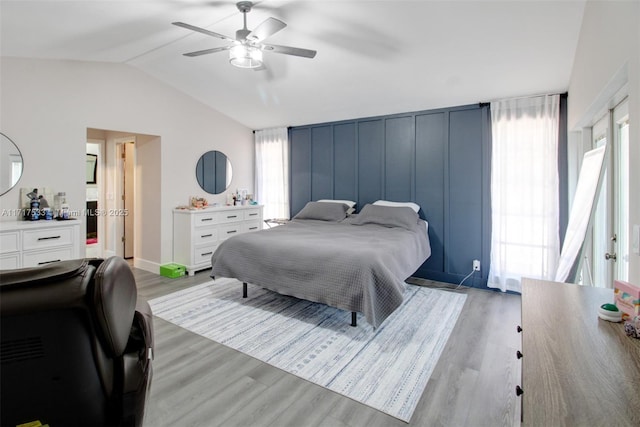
(436, 158)
(431, 158)
(465, 190)
(345, 151)
(300, 168)
(399, 154)
(370, 158)
(321, 163)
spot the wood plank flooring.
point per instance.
(198, 382)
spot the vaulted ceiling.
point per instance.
(374, 57)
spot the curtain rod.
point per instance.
(482, 104)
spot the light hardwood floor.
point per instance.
(198, 382)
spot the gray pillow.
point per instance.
(323, 211)
(387, 216)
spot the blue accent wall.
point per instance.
(439, 159)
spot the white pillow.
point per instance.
(411, 205)
(346, 202)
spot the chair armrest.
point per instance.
(139, 352)
(142, 329)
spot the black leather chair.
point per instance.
(76, 345)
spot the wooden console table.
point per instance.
(577, 370)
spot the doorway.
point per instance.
(95, 181)
(141, 187)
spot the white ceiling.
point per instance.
(374, 57)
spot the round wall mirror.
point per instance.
(10, 164)
(213, 172)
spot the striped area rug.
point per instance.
(386, 369)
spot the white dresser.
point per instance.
(29, 244)
(197, 233)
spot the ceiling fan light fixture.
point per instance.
(244, 56)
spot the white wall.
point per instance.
(47, 106)
(608, 57)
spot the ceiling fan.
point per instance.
(246, 49)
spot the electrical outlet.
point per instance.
(476, 265)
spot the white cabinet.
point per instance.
(197, 233)
(29, 244)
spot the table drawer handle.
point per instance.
(48, 262)
(49, 238)
(206, 219)
(207, 253)
(519, 391)
(232, 231)
(253, 228)
(253, 214)
(206, 235)
(232, 216)
(519, 354)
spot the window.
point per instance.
(524, 190)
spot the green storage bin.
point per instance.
(173, 270)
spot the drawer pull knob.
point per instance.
(206, 235)
(48, 262)
(519, 391)
(232, 231)
(206, 219)
(519, 354)
(519, 329)
(207, 253)
(49, 238)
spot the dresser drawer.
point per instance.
(34, 259)
(229, 230)
(10, 261)
(205, 219)
(203, 255)
(231, 216)
(9, 242)
(251, 225)
(37, 239)
(252, 214)
(205, 236)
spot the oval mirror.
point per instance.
(10, 164)
(213, 172)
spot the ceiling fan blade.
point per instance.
(288, 50)
(206, 51)
(267, 28)
(202, 30)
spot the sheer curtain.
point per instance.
(524, 191)
(272, 171)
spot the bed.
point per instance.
(356, 263)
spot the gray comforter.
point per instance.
(358, 268)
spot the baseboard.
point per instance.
(143, 264)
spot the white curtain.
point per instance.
(524, 191)
(272, 172)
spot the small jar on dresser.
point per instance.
(197, 233)
(33, 243)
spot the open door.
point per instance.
(128, 197)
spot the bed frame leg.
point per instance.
(244, 289)
(354, 321)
